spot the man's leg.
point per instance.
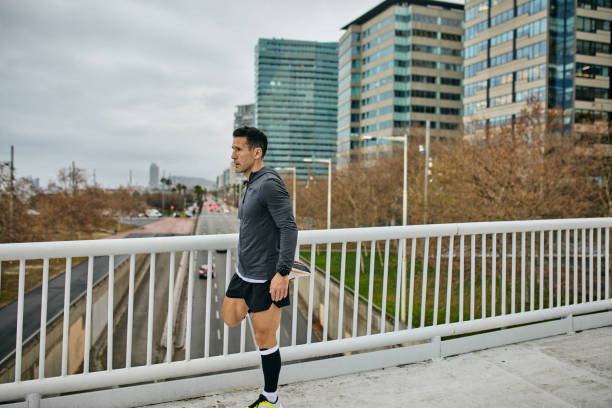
(265, 325)
(233, 311)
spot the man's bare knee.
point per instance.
(265, 339)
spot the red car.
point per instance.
(203, 272)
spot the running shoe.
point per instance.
(263, 402)
(299, 270)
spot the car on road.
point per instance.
(153, 212)
(203, 272)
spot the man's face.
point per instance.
(242, 156)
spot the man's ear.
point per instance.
(258, 152)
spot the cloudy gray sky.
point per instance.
(117, 85)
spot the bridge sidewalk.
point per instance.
(562, 371)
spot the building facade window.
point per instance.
(419, 93)
(424, 18)
(500, 100)
(532, 51)
(532, 29)
(594, 4)
(450, 96)
(591, 70)
(378, 26)
(591, 25)
(502, 17)
(424, 78)
(473, 31)
(531, 95)
(501, 80)
(423, 109)
(378, 55)
(425, 33)
(473, 69)
(587, 93)
(450, 37)
(502, 38)
(471, 108)
(531, 73)
(377, 98)
(378, 40)
(450, 111)
(473, 12)
(532, 7)
(585, 47)
(450, 81)
(474, 88)
(500, 59)
(424, 64)
(376, 84)
(475, 49)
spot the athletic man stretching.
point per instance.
(266, 248)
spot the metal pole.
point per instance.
(12, 196)
(404, 222)
(329, 194)
(294, 192)
(426, 172)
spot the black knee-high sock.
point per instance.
(271, 366)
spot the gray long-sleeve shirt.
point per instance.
(268, 233)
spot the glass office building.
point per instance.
(400, 65)
(244, 115)
(296, 85)
(555, 52)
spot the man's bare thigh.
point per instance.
(268, 320)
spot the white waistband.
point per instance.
(249, 279)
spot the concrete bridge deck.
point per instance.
(563, 371)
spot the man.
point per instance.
(266, 248)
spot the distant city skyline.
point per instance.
(99, 84)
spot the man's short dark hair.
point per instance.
(255, 138)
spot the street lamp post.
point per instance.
(403, 139)
(329, 163)
(426, 181)
(294, 170)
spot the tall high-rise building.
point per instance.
(555, 52)
(296, 86)
(400, 65)
(153, 176)
(244, 115)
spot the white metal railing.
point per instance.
(498, 274)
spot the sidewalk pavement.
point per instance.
(180, 226)
(562, 371)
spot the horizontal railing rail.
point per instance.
(457, 279)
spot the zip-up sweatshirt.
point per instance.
(268, 233)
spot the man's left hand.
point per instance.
(279, 287)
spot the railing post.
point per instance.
(570, 324)
(436, 344)
(33, 401)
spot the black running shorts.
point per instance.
(256, 295)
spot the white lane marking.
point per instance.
(215, 285)
(216, 299)
(217, 314)
(218, 334)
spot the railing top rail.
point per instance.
(61, 249)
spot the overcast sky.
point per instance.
(117, 85)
